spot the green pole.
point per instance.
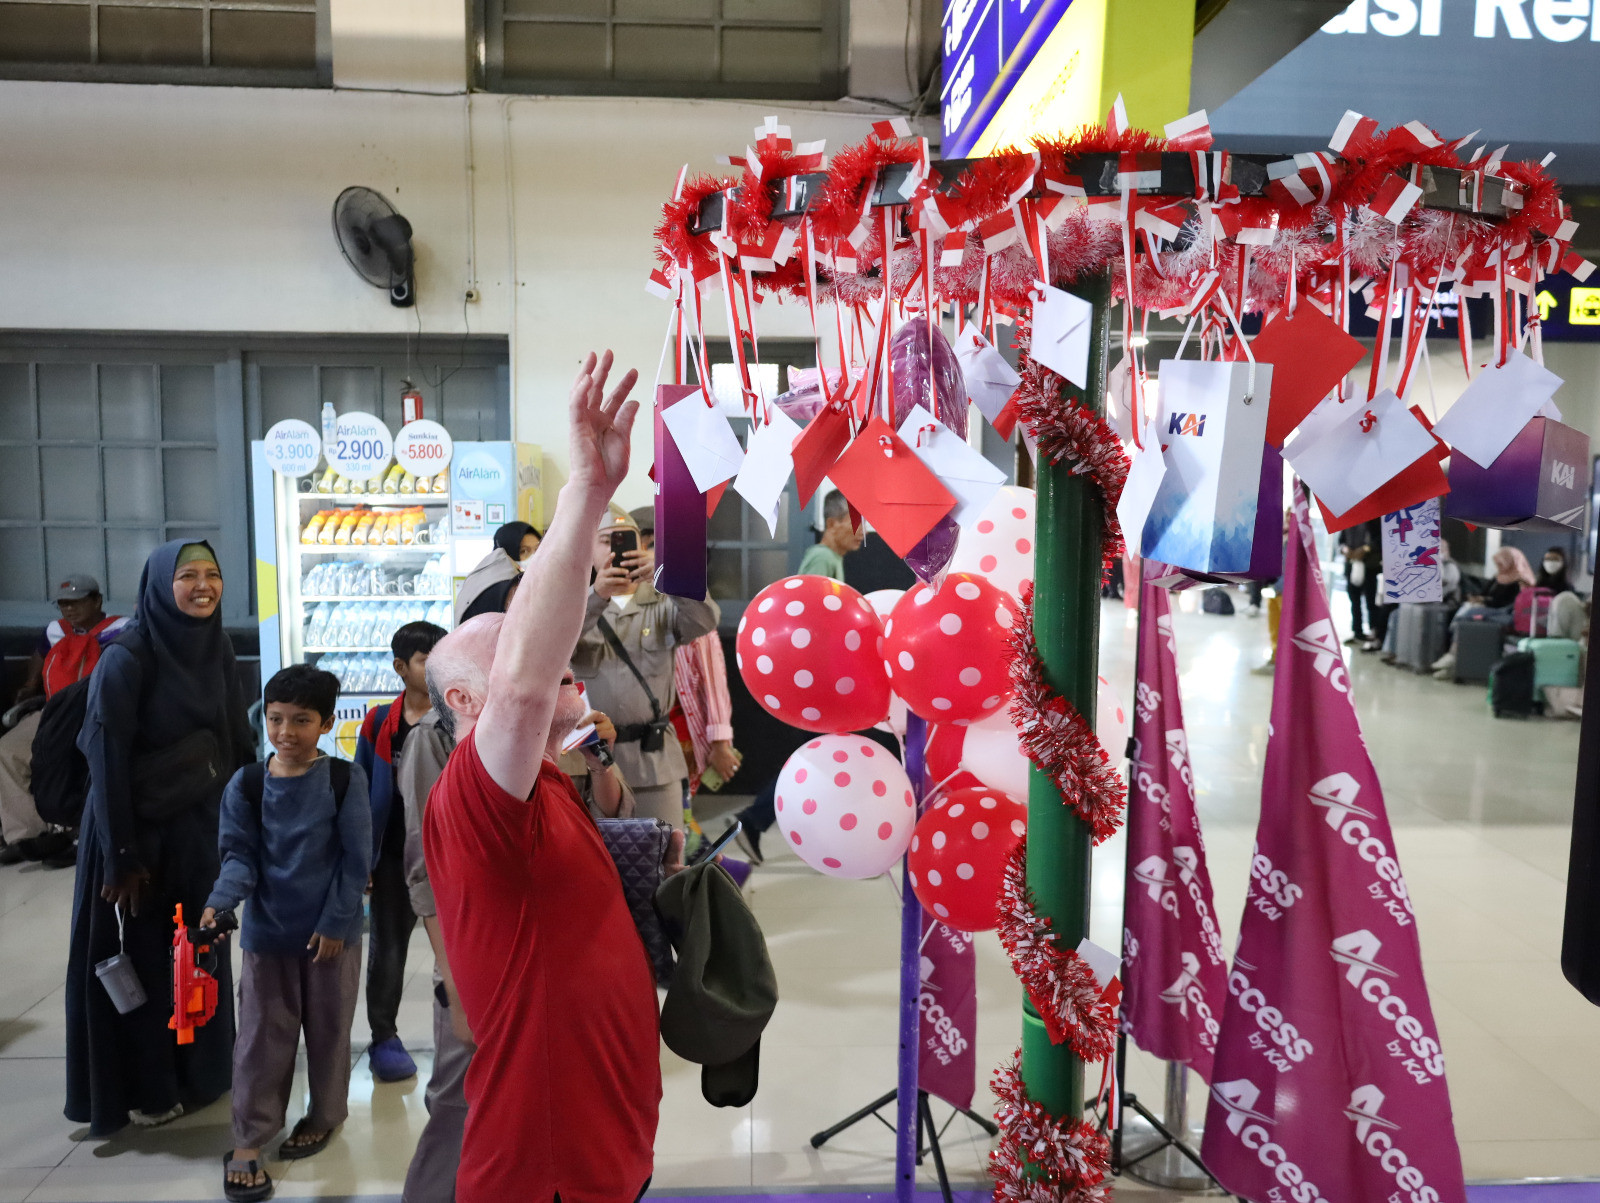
(1066, 623)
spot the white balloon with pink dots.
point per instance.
(999, 545)
(845, 806)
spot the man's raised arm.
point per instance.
(546, 613)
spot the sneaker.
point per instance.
(390, 1062)
(749, 842)
(1445, 663)
(67, 858)
(148, 1119)
(1354, 640)
(1254, 612)
(48, 846)
(1372, 645)
(12, 854)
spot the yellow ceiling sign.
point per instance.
(1100, 48)
(1584, 308)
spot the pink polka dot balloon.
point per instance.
(808, 652)
(959, 852)
(999, 546)
(845, 806)
(945, 649)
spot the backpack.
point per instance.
(60, 771)
(72, 657)
(1511, 692)
(1215, 600)
(253, 782)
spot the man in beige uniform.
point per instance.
(628, 623)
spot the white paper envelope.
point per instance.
(1345, 464)
(768, 464)
(1494, 408)
(1119, 399)
(705, 440)
(1103, 964)
(1061, 334)
(1148, 470)
(989, 378)
(972, 480)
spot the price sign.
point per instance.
(361, 446)
(292, 447)
(423, 447)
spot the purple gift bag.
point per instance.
(1540, 481)
(680, 509)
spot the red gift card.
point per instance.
(1309, 355)
(1420, 481)
(818, 446)
(885, 481)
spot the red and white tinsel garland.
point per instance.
(1058, 739)
(1059, 982)
(1041, 1159)
(1072, 435)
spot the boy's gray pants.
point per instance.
(432, 1176)
(279, 996)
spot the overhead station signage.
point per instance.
(988, 45)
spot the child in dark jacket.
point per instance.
(298, 852)
(383, 734)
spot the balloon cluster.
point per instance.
(818, 655)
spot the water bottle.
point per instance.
(317, 625)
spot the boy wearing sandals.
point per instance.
(296, 842)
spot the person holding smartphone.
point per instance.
(625, 660)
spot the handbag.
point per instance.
(639, 849)
(168, 781)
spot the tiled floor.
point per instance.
(1480, 809)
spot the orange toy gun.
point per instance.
(194, 988)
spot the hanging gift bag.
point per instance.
(680, 508)
(1212, 427)
(1539, 482)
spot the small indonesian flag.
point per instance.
(1395, 198)
(1351, 125)
(895, 127)
(1189, 133)
(1576, 266)
(1000, 231)
(1417, 136)
(1117, 118)
(1165, 221)
(659, 286)
(952, 249)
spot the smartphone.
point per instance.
(622, 542)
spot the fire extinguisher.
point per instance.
(410, 404)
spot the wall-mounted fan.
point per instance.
(377, 243)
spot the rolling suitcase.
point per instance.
(1478, 646)
(1511, 693)
(1422, 635)
(1555, 662)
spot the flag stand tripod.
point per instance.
(1162, 1155)
(928, 1133)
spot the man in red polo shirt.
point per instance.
(551, 975)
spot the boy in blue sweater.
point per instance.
(296, 842)
(383, 735)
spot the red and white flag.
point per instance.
(1174, 969)
(1395, 198)
(1328, 1082)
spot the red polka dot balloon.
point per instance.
(845, 806)
(999, 546)
(959, 852)
(808, 652)
(946, 649)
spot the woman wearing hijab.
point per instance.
(1512, 573)
(165, 727)
(518, 540)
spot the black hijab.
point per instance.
(493, 600)
(196, 683)
(509, 538)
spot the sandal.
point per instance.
(237, 1192)
(309, 1148)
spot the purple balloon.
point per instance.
(927, 373)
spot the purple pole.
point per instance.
(905, 1153)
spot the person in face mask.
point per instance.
(519, 540)
(1553, 572)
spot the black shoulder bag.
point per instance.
(651, 736)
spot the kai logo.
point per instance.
(1358, 952)
(1151, 873)
(1337, 796)
(1375, 1134)
(1177, 994)
(1563, 476)
(1365, 1102)
(1322, 641)
(1194, 424)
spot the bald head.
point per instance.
(458, 669)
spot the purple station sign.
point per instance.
(988, 44)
